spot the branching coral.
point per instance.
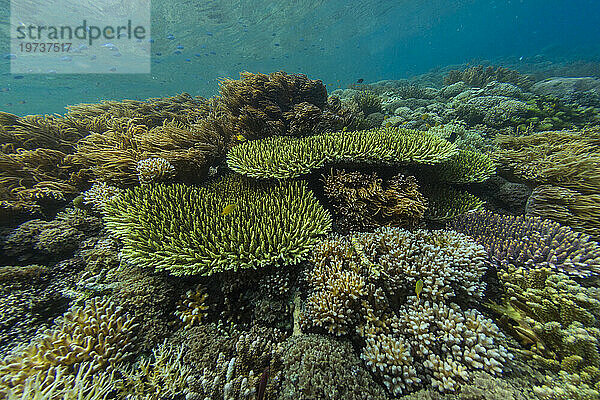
(192, 308)
(184, 229)
(283, 157)
(466, 167)
(98, 332)
(365, 202)
(365, 283)
(532, 242)
(479, 76)
(157, 377)
(555, 318)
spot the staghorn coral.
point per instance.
(364, 202)
(192, 308)
(163, 375)
(365, 283)
(98, 332)
(86, 384)
(153, 170)
(568, 207)
(283, 157)
(569, 159)
(182, 229)
(479, 76)
(368, 102)
(321, 367)
(531, 242)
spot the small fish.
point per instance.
(419, 288)
(240, 137)
(228, 209)
(361, 80)
(262, 384)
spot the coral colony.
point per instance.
(279, 242)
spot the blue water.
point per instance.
(197, 42)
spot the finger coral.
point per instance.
(364, 202)
(531, 242)
(183, 229)
(98, 332)
(366, 283)
(446, 202)
(285, 157)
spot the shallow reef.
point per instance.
(276, 241)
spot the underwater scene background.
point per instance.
(309, 200)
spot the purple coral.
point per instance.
(532, 242)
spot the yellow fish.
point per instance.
(240, 137)
(228, 209)
(419, 288)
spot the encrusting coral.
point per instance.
(285, 157)
(364, 202)
(98, 332)
(365, 283)
(531, 242)
(229, 224)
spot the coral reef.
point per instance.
(163, 375)
(184, 230)
(364, 283)
(153, 170)
(364, 202)
(98, 195)
(113, 156)
(98, 332)
(466, 167)
(479, 76)
(283, 157)
(321, 367)
(260, 105)
(531, 242)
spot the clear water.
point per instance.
(337, 42)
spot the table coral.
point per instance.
(531, 242)
(284, 157)
(182, 229)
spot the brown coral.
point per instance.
(364, 202)
(479, 76)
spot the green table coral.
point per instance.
(287, 157)
(182, 229)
